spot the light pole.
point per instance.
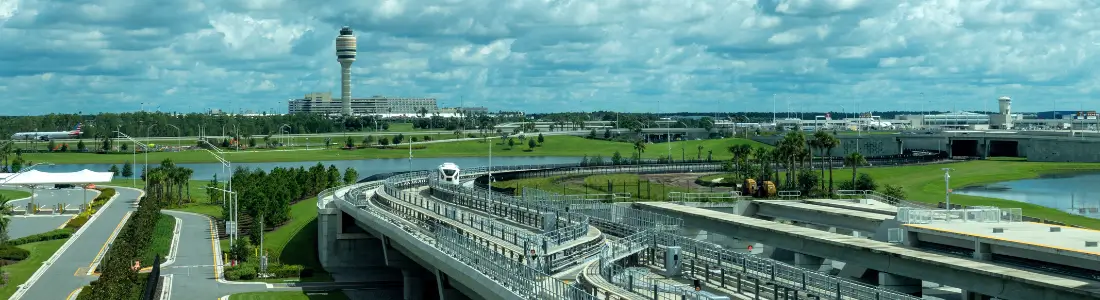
(146, 149)
(922, 113)
(232, 196)
(282, 129)
(179, 144)
(132, 140)
(232, 203)
(947, 186)
(490, 142)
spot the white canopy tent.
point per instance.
(34, 178)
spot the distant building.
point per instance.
(1066, 114)
(322, 103)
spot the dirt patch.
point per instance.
(570, 180)
(682, 180)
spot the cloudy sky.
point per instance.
(553, 55)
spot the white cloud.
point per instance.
(551, 55)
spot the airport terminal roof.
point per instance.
(34, 177)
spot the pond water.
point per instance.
(1077, 193)
(365, 167)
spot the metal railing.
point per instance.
(908, 215)
(714, 264)
(704, 196)
(520, 279)
(880, 197)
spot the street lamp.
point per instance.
(232, 203)
(179, 145)
(947, 186)
(144, 148)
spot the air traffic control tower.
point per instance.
(1003, 118)
(345, 54)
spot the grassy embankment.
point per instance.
(19, 272)
(13, 194)
(924, 183)
(162, 240)
(553, 146)
(639, 189)
(291, 243)
(289, 296)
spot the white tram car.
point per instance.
(449, 173)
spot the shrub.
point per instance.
(245, 271)
(55, 234)
(9, 252)
(79, 220)
(284, 271)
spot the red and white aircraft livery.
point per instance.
(45, 136)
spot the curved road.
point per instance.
(68, 271)
(195, 274)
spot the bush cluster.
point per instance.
(250, 270)
(13, 253)
(55, 234)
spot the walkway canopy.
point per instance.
(36, 177)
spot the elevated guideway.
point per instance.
(896, 266)
(812, 213)
(1060, 249)
(462, 250)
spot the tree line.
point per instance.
(270, 194)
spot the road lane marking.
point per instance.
(74, 293)
(99, 256)
(213, 246)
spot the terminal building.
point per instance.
(322, 103)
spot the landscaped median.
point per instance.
(25, 255)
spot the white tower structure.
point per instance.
(1006, 110)
(345, 54)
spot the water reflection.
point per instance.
(365, 167)
(1076, 193)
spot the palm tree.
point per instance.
(855, 160)
(639, 147)
(828, 142)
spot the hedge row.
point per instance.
(55, 234)
(117, 279)
(250, 270)
(10, 252)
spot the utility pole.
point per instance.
(947, 186)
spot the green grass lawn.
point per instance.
(596, 184)
(553, 146)
(925, 183)
(200, 201)
(296, 241)
(13, 194)
(19, 272)
(162, 240)
(289, 296)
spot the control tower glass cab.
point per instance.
(345, 45)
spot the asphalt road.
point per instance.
(66, 274)
(22, 226)
(194, 273)
(49, 197)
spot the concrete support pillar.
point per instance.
(900, 283)
(414, 284)
(911, 239)
(809, 262)
(982, 251)
(983, 149)
(968, 295)
(780, 254)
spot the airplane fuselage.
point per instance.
(44, 136)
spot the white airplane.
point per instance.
(46, 136)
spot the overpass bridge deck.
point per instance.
(1022, 235)
(462, 214)
(994, 280)
(867, 205)
(828, 210)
